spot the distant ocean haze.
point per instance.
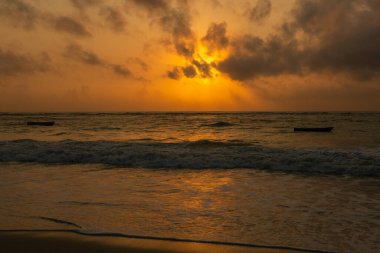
(351, 130)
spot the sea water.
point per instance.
(228, 177)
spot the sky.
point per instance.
(189, 55)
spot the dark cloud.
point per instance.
(313, 16)
(322, 36)
(114, 18)
(204, 68)
(177, 23)
(12, 63)
(261, 10)
(254, 57)
(77, 53)
(121, 70)
(184, 47)
(196, 68)
(71, 26)
(84, 4)
(348, 35)
(175, 20)
(216, 37)
(138, 62)
(175, 73)
(189, 71)
(19, 13)
(153, 6)
(216, 4)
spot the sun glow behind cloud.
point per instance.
(214, 92)
(205, 92)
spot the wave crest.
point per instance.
(200, 154)
(219, 124)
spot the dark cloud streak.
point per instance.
(12, 63)
(216, 38)
(19, 13)
(77, 53)
(71, 26)
(84, 4)
(261, 11)
(114, 18)
(174, 20)
(120, 70)
(153, 6)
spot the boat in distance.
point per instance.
(313, 129)
(40, 123)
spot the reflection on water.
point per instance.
(330, 213)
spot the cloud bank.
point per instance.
(321, 36)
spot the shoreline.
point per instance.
(14, 241)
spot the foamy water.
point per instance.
(226, 177)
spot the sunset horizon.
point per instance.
(143, 55)
(189, 126)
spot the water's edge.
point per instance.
(174, 239)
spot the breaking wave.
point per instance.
(219, 124)
(202, 154)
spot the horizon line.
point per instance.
(190, 111)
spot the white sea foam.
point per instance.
(201, 154)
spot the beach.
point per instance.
(240, 205)
(63, 242)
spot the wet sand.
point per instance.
(41, 242)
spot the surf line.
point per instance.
(174, 239)
(57, 221)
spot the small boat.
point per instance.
(40, 123)
(313, 129)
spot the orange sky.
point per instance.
(178, 55)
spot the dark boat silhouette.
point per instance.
(40, 123)
(313, 129)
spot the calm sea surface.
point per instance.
(236, 177)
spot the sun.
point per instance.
(210, 55)
(203, 53)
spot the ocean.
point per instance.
(224, 177)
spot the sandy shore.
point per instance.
(72, 242)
